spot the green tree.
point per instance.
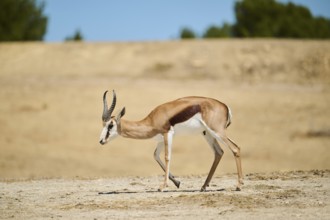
(268, 18)
(321, 27)
(77, 36)
(187, 33)
(22, 20)
(218, 31)
(256, 18)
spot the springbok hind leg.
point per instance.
(237, 154)
(218, 152)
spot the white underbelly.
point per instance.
(191, 126)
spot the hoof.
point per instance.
(162, 187)
(177, 184)
(241, 182)
(203, 189)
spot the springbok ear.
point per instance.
(121, 114)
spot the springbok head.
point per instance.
(110, 123)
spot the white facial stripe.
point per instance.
(109, 131)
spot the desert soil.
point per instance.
(276, 195)
(52, 165)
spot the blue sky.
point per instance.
(144, 20)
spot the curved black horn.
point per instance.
(105, 116)
(113, 105)
(107, 112)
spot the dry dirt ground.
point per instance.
(50, 122)
(277, 195)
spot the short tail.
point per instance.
(229, 116)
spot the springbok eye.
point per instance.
(110, 126)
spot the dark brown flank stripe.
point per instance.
(185, 114)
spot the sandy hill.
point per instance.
(253, 60)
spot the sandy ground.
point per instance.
(50, 122)
(277, 195)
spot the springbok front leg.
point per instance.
(168, 151)
(218, 152)
(157, 152)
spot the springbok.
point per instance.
(206, 116)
